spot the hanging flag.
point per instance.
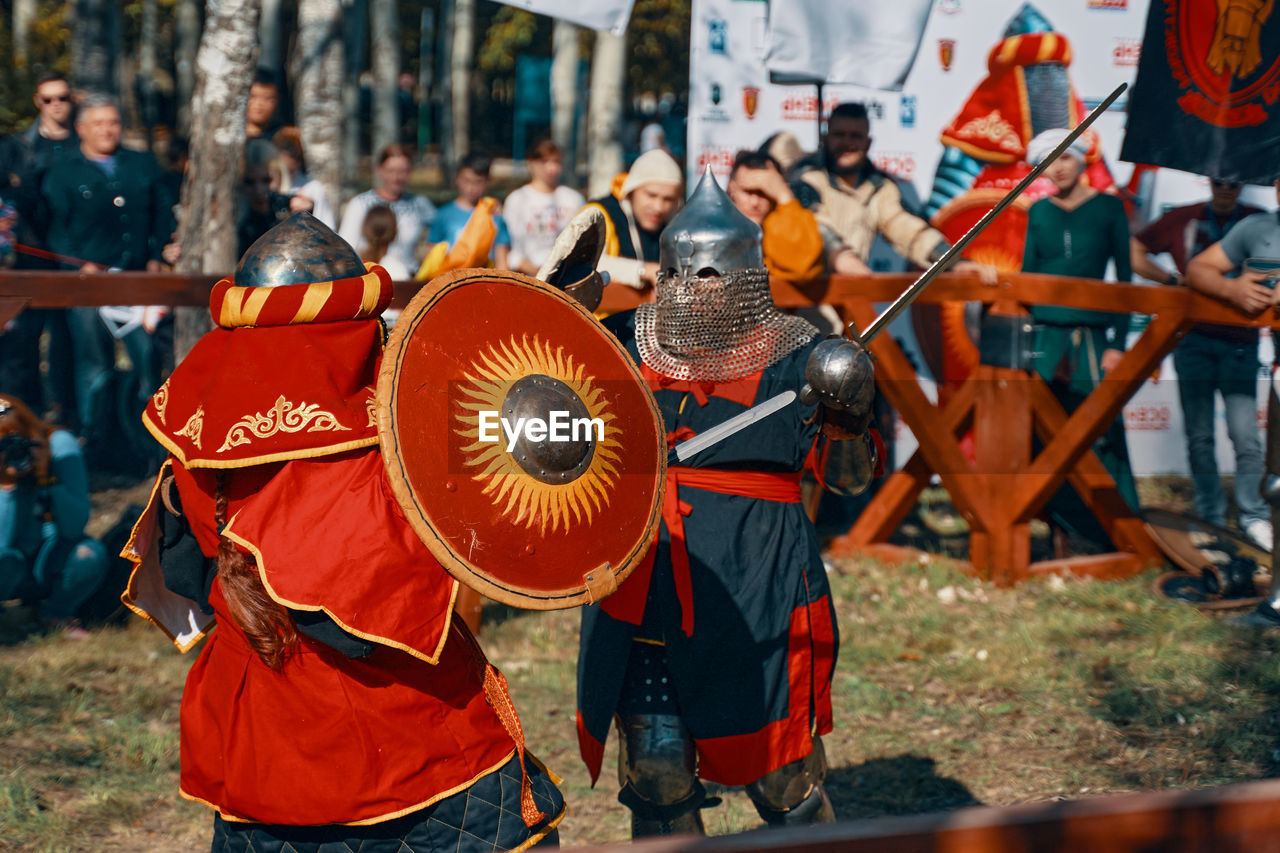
(611, 15)
(845, 41)
(1205, 97)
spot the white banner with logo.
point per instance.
(611, 15)
(732, 106)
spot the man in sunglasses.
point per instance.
(52, 130)
(24, 158)
(1212, 358)
(27, 155)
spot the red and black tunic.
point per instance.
(735, 590)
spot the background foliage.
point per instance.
(657, 44)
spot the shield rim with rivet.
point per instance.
(426, 507)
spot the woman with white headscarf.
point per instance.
(1078, 231)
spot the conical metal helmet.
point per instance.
(300, 250)
(709, 234)
(1028, 19)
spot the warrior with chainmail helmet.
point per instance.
(340, 703)
(715, 657)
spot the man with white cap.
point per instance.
(635, 214)
(1077, 231)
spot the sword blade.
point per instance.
(721, 431)
(939, 266)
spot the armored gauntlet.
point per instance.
(839, 375)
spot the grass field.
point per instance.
(948, 692)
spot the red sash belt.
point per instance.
(627, 604)
(764, 485)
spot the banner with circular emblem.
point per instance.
(520, 440)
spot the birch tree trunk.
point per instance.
(319, 74)
(461, 56)
(95, 45)
(564, 89)
(188, 42)
(24, 14)
(355, 52)
(384, 33)
(604, 111)
(207, 219)
(147, 66)
(444, 91)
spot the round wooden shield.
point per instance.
(520, 440)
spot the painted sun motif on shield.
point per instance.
(546, 484)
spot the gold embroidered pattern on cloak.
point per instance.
(161, 401)
(193, 428)
(282, 417)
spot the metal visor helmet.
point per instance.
(713, 317)
(300, 250)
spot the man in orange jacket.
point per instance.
(793, 247)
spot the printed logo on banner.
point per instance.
(1227, 60)
(750, 100)
(1126, 53)
(949, 7)
(1153, 417)
(1109, 4)
(718, 35)
(875, 109)
(805, 107)
(715, 114)
(719, 158)
(907, 111)
(946, 52)
(900, 164)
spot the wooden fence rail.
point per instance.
(1230, 819)
(998, 493)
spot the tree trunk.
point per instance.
(355, 55)
(95, 45)
(604, 108)
(320, 62)
(147, 66)
(270, 55)
(422, 95)
(188, 42)
(461, 57)
(564, 90)
(384, 31)
(24, 14)
(443, 96)
(207, 220)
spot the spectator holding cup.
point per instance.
(1212, 359)
(1251, 247)
(1255, 239)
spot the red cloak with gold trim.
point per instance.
(277, 401)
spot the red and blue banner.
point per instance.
(1205, 97)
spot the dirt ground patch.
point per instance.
(948, 692)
